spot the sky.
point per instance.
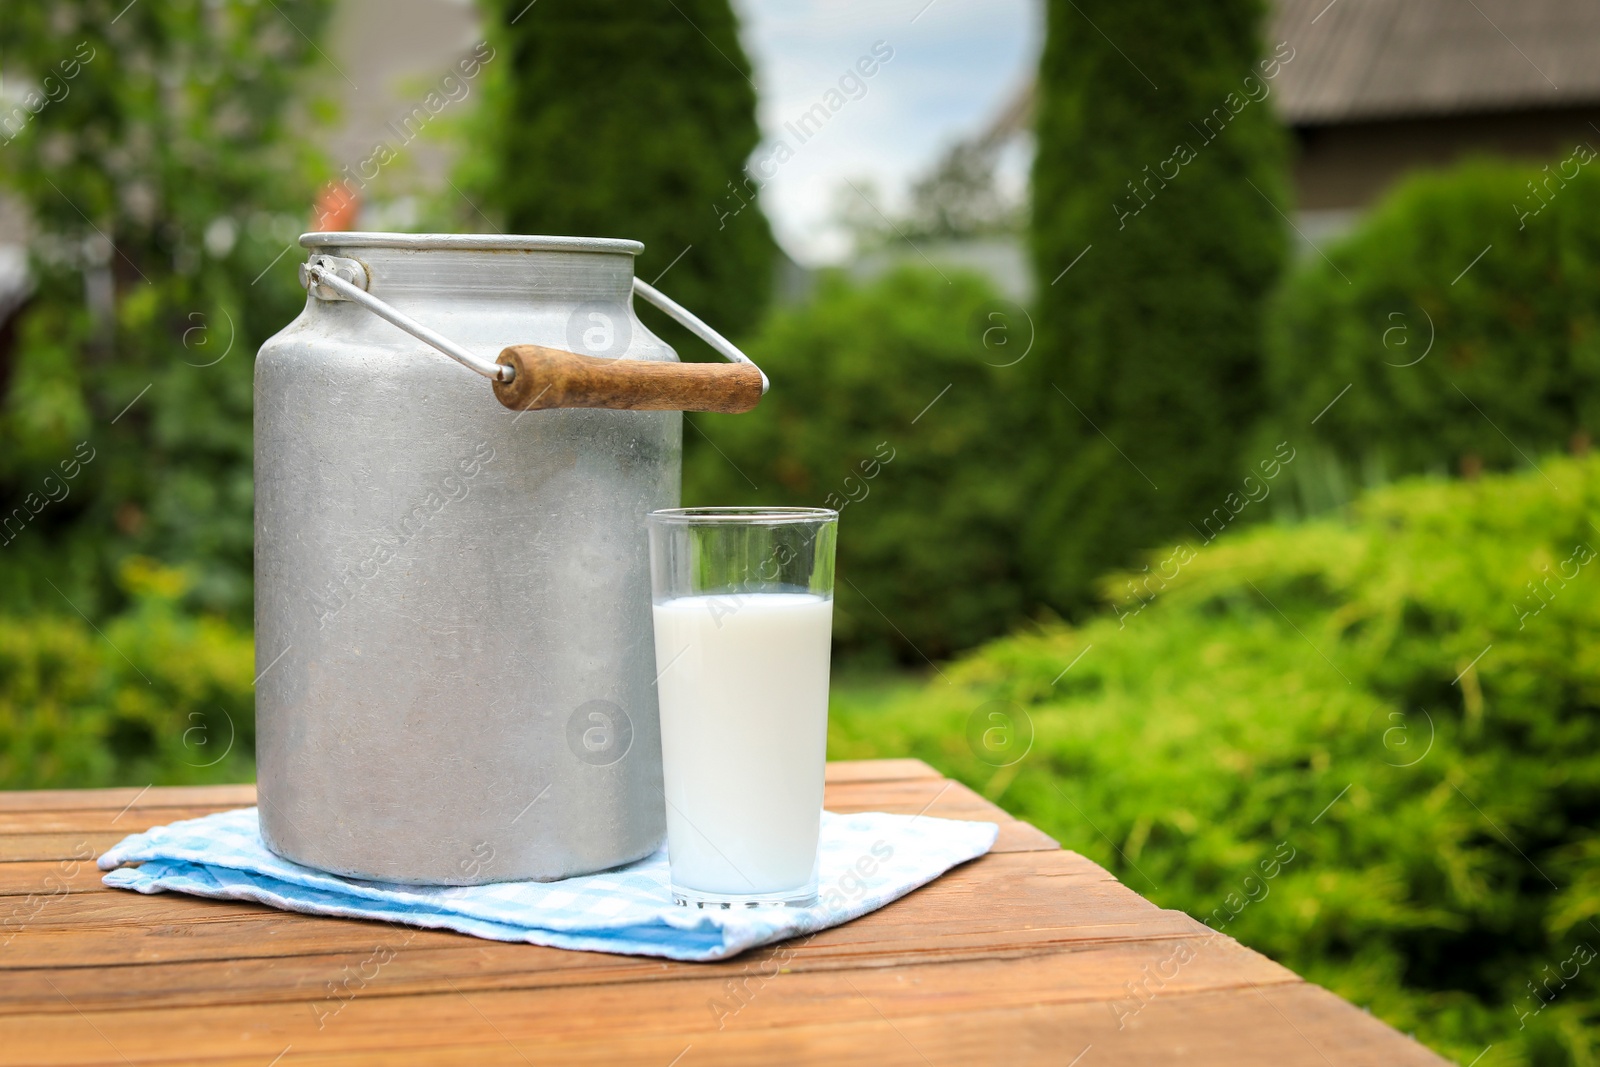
(954, 66)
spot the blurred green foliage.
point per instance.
(1406, 698)
(629, 118)
(1160, 164)
(894, 402)
(154, 695)
(1463, 317)
(165, 180)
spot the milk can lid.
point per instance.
(476, 242)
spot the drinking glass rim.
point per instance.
(734, 514)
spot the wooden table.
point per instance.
(1028, 955)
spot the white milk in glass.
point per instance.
(744, 723)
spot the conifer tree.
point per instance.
(633, 118)
(1155, 239)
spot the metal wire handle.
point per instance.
(347, 279)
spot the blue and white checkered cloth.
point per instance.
(867, 860)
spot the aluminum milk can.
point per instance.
(453, 627)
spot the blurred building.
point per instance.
(389, 55)
(1377, 89)
(1380, 88)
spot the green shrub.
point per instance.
(1375, 695)
(1465, 333)
(887, 404)
(630, 118)
(164, 184)
(153, 696)
(1159, 162)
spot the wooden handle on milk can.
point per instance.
(554, 378)
(535, 378)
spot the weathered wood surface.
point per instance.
(1028, 955)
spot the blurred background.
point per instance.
(1208, 391)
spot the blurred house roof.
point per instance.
(1363, 60)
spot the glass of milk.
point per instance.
(743, 604)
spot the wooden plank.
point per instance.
(1226, 1006)
(878, 770)
(99, 820)
(244, 794)
(199, 796)
(60, 876)
(46, 847)
(208, 930)
(18, 846)
(938, 798)
(997, 903)
(915, 796)
(419, 967)
(844, 797)
(31, 834)
(1207, 1028)
(697, 1002)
